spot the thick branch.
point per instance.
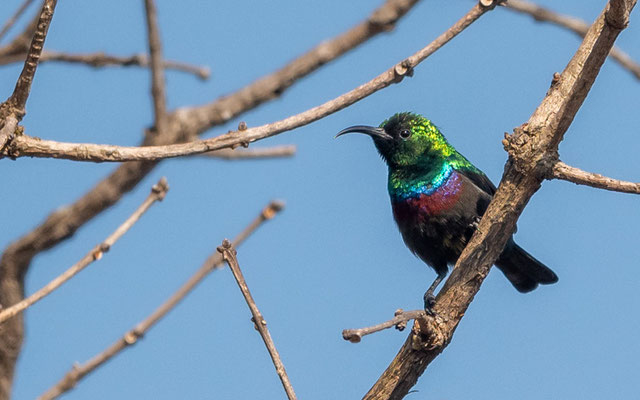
(24, 145)
(568, 173)
(71, 378)
(158, 192)
(530, 148)
(229, 255)
(575, 25)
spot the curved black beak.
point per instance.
(372, 131)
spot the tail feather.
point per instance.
(523, 270)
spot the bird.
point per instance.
(437, 199)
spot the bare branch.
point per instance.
(399, 321)
(383, 19)
(575, 25)
(100, 59)
(12, 110)
(157, 72)
(158, 192)
(568, 173)
(25, 4)
(244, 154)
(20, 43)
(64, 222)
(229, 255)
(531, 148)
(20, 94)
(77, 372)
(24, 145)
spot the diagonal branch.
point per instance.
(383, 19)
(158, 192)
(229, 255)
(11, 21)
(530, 148)
(12, 110)
(157, 72)
(24, 145)
(215, 261)
(18, 99)
(568, 173)
(575, 25)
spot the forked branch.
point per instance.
(78, 372)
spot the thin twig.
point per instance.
(399, 321)
(77, 372)
(100, 59)
(383, 19)
(157, 72)
(24, 145)
(575, 25)
(20, 94)
(12, 110)
(568, 173)
(247, 154)
(229, 255)
(158, 192)
(25, 4)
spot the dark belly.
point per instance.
(437, 227)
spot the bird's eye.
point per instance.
(405, 133)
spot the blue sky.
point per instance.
(333, 259)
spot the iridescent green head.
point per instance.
(407, 140)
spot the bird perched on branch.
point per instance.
(438, 198)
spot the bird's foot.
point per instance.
(429, 302)
(476, 221)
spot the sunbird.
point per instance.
(437, 199)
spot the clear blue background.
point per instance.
(333, 259)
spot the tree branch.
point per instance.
(100, 59)
(244, 154)
(158, 192)
(568, 173)
(11, 21)
(575, 25)
(399, 320)
(64, 222)
(24, 145)
(530, 148)
(383, 19)
(18, 99)
(12, 110)
(157, 72)
(229, 255)
(78, 372)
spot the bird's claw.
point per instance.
(429, 302)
